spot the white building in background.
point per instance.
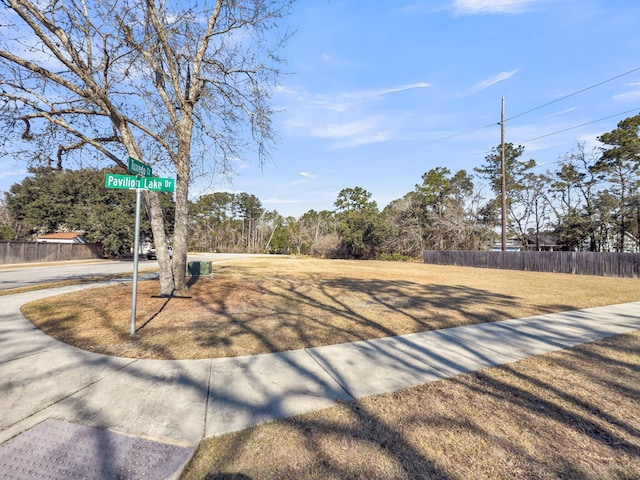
(64, 237)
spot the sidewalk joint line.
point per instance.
(32, 354)
(206, 403)
(307, 350)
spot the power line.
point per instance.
(473, 130)
(578, 126)
(335, 186)
(447, 137)
(573, 94)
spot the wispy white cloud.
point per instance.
(239, 164)
(306, 176)
(341, 101)
(484, 7)
(348, 118)
(562, 112)
(426, 7)
(335, 61)
(363, 131)
(484, 84)
(346, 129)
(366, 139)
(631, 96)
(502, 76)
(386, 91)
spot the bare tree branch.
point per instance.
(167, 83)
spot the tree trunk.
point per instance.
(156, 218)
(180, 232)
(154, 212)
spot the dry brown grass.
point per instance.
(271, 304)
(569, 414)
(572, 414)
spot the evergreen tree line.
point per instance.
(590, 200)
(61, 200)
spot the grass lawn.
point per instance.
(572, 414)
(261, 305)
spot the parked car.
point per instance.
(151, 255)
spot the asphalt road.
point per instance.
(16, 276)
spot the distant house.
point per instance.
(66, 237)
(607, 239)
(610, 242)
(514, 244)
(543, 242)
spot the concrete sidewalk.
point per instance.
(181, 402)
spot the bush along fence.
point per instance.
(580, 263)
(25, 252)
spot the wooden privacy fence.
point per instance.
(579, 263)
(25, 252)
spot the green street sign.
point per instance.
(115, 180)
(158, 184)
(139, 168)
(129, 182)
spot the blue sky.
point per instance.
(380, 92)
(379, 85)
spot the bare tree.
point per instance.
(168, 83)
(572, 196)
(529, 209)
(403, 217)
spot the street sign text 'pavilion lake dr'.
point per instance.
(130, 182)
(143, 179)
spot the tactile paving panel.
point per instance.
(55, 449)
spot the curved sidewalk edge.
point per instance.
(182, 401)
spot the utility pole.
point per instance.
(503, 183)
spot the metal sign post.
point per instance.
(142, 181)
(136, 247)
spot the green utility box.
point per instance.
(199, 269)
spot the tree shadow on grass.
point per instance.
(512, 421)
(288, 314)
(244, 316)
(360, 445)
(227, 476)
(152, 317)
(373, 426)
